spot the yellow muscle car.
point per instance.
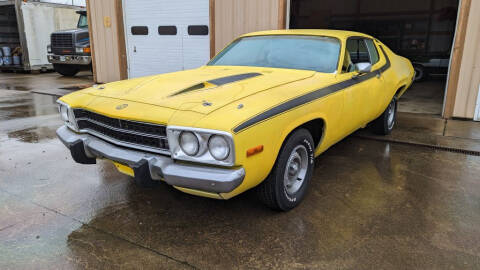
(255, 116)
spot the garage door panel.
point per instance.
(160, 57)
(195, 51)
(159, 53)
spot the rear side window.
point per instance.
(167, 30)
(358, 50)
(372, 50)
(139, 30)
(198, 30)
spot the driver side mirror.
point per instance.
(363, 67)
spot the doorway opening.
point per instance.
(422, 31)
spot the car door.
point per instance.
(362, 98)
(376, 91)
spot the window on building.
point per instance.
(198, 30)
(139, 30)
(167, 30)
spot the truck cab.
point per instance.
(69, 50)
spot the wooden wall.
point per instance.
(469, 76)
(233, 18)
(107, 40)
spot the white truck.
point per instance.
(25, 29)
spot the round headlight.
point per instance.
(189, 143)
(64, 112)
(218, 147)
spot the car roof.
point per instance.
(341, 34)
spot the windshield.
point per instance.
(82, 22)
(293, 52)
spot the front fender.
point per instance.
(271, 134)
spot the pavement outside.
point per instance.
(372, 205)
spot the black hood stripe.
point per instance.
(309, 97)
(218, 82)
(233, 78)
(189, 89)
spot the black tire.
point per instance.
(66, 70)
(420, 73)
(272, 191)
(384, 124)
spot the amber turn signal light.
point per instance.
(86, 50)
(254, 150)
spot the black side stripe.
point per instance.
(316, 94)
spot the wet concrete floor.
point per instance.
(371, 205)
(424, 97)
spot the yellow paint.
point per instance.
(200, 193)
(124, 169)
(153, 99)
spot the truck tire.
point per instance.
(420, 73)
(287, 184)
(66, 70)
(384, 124)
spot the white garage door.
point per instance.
(165, 36)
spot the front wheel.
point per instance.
(288, 181)
(384, 124)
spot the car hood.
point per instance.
(201, 90)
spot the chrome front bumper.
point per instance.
(70, 59)
(86, 148)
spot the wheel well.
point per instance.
(399, 90)
(316, 129)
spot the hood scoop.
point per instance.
(216, 83)
(233, 78)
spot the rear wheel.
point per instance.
(288, 181)
(66, 70)
(384, 124)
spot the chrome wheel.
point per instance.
(296, 169)
(391, 115)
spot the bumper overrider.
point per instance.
(86, 149)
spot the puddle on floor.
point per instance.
(33, 135)
(76, 87)
(14, 87)
(28, 105)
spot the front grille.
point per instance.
(62, 42)
(128, 133)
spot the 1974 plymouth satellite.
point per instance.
(255, 116)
